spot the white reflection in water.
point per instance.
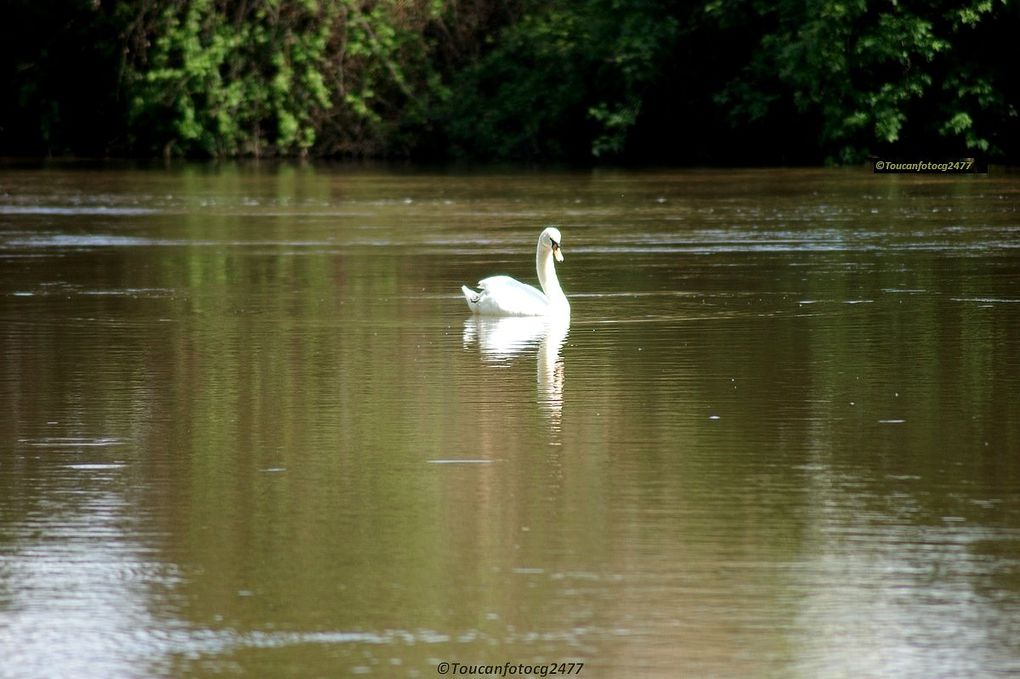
(78, 597)
(885, 593)
(501, 339)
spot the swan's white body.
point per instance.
(505, 296)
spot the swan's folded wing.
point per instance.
(508, 296)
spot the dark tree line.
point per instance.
(705, 82)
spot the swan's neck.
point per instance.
(547, 276)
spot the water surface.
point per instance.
(249, 428)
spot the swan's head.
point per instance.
(550, 238)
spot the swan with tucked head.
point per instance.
(504, 296)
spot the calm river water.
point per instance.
(250, 429)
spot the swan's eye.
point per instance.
(554, 244)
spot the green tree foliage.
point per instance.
(927, 76)
(821, 80)
(714, 81)
(567, 80)
(226, 78)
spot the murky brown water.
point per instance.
(249, 429)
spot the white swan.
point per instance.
(504, 296)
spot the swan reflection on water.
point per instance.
(501, 339)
